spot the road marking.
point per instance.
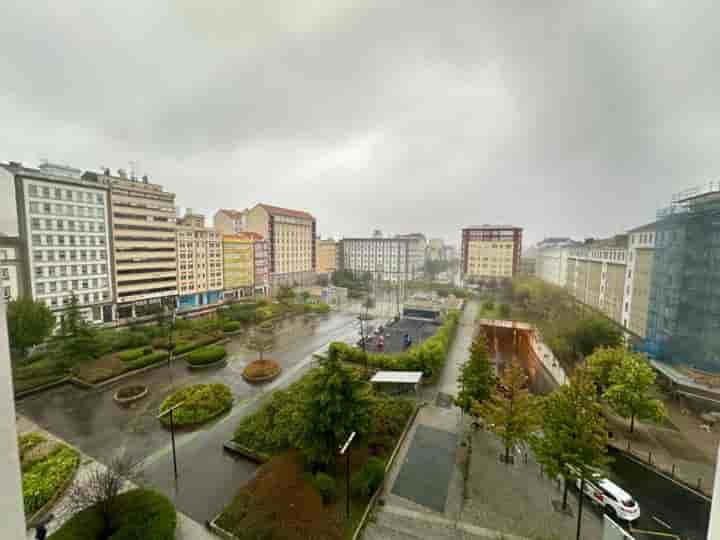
(655, 533)
(661, 522)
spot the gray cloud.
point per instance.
(564, 117)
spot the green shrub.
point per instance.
(133, 354)
(326, 486)
(489, 305)
(231, 326)
(147, 360)
(504, 311)
(42, 478)
(136, 515)
(182, 346)
(129, 339)
(206, 355)
(263, 313)
(159, 342)
(367, 480)
(201, 402)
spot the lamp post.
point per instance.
(580, 505)
(171, 343)
(344, 450)
(172, 432)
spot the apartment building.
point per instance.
(551, 259)
(435, 249)
(326, 252)
(596, 274)
(199, 263)
(64, 247)
(12, 275)
(229, 221)
(291, 243)
(191, 219)
(418, 249)
(239, 265)
(144, 244)
(638, 280)
(387, 259)
(491, 251)
(262, 265)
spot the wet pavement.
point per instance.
(208, 477)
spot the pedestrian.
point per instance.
(40, 532)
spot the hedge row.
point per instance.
(183, 347)
(428, 357)
(147, 360)
(206, 355)
(136, 514)
(134, 354)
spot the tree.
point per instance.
(286, 294)
(603, 361)
(29, 323)
(477, 376)
(336, 404)
(510, 410)
(71, 319)
(504, 311)
(262, 339)
(593, 332)
(100, 487)
(305, 297)
(630, 390)
(574, 438)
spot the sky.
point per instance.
(566, 118)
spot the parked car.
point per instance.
(616, 502)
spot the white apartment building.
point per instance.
(596, 275)
(63, 222)
(387, 259)
(12, 277)
(638, 280)
(290, 235)
(199, 266)
(551, 260)
(144, 244)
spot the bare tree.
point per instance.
(100, 487)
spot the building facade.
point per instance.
(229, 221)
(551, 259)
(436, 249)
(191, 219)
(238, 265)
(638, 280)
(387, 259)
(199, 265)
(291, 243)
(144, 245)
(684, 307)
(326, 252)
(64, 226)
(491, 251)
(262, 265)
(12, 276)
(596, 275)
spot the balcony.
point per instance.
(145, 245)
(145, 276)
(169, 225)
(170, 285)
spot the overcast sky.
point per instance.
(566, 118)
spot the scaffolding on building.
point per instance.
(684, 307)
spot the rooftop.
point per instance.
(234, 214)
(643, 228)
(277, 210)
(487, 227)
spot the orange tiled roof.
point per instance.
(286, 211)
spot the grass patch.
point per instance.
(201, 403)
(46, 469)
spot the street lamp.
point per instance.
(344, 451)
(172, 432)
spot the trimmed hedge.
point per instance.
(183, 347)
(231, 326)
(428, 357)
(134, 354)
(136, 514)
(206, 355)
(147, 360)
(202, 402)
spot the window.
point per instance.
(33, 190)
(40, 287)
(58, 193)
(35, 223)
(50, 255)
(84, 284)
(68, 195)
(36, 239)
(46, 192)
(34, 207)
(47, 209)
(84, 269)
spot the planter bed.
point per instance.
(125, 397)
(199, 367)
(202, 403)
(261, 371)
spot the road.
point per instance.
(208, 476)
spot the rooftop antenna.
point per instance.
(133, 170)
